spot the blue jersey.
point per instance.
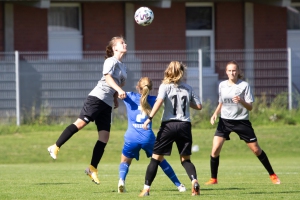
(135, 132)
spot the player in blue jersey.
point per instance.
(235, 103)
(177, 98)
(98, 105)
(138, 107)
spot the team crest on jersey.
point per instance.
(237, 92)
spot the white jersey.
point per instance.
(118, 72)
(177, 101)
(231, 110)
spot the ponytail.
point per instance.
(144, 86)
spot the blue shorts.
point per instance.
(132, 149)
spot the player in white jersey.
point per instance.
(138, 106)
(235, 102)
(177, 98)
(98, 105)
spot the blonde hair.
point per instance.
(233, 62)
(174, 72)
(112, 42)
(144, 86)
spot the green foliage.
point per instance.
(264, 113)
(275, 112)
(201, 119)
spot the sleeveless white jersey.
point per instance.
(118, 72)
(231, 110)
(177, 101)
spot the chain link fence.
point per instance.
(35, 83)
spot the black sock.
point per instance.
(151, 171)
(265, 161)
(190, 169)
(214, 166)
(66, 134)
(97, 153)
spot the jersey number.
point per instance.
(175, 104)
(141, 116)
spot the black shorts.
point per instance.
(242, 127)
(174, 131)
(96, 110)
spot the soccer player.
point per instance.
(138, 107)
(98, 105)
(177, 97)
(235, 102)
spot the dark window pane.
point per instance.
(63, 18)
(198, 18)
(294, 18)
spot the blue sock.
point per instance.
(166, 167)
(123, 170)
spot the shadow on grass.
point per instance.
(283, 192)
(55, 184)
(208, 189)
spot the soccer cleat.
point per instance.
(195, 188)
(145, 192)
(121, 186)
(274, 178)
(92, 172)
(53, 151)
(212, 181)
(181, 188)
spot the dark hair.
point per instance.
(233, 62)
(112, 42)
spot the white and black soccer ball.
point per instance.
(144, 16)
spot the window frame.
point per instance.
(79, 32)
(293, 30)
(204, 33)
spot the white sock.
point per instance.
(146, 187)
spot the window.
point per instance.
(198, 18)
(63, 18)
(200, 31)
(293, 17)
(64, 31)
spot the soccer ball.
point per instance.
(143, 16)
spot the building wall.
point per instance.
(101, 22)
(30, 28)
(167, 31)
(229, 25)
(270, 27)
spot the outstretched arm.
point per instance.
(154, 110)
(111, 82)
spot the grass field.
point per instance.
(28, 172)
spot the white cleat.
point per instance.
(121, 186)
(181, 188)
(53, 151)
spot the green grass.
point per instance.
(28, 172)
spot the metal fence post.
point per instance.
(17, 88)
(290, 78)
(200, 75)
